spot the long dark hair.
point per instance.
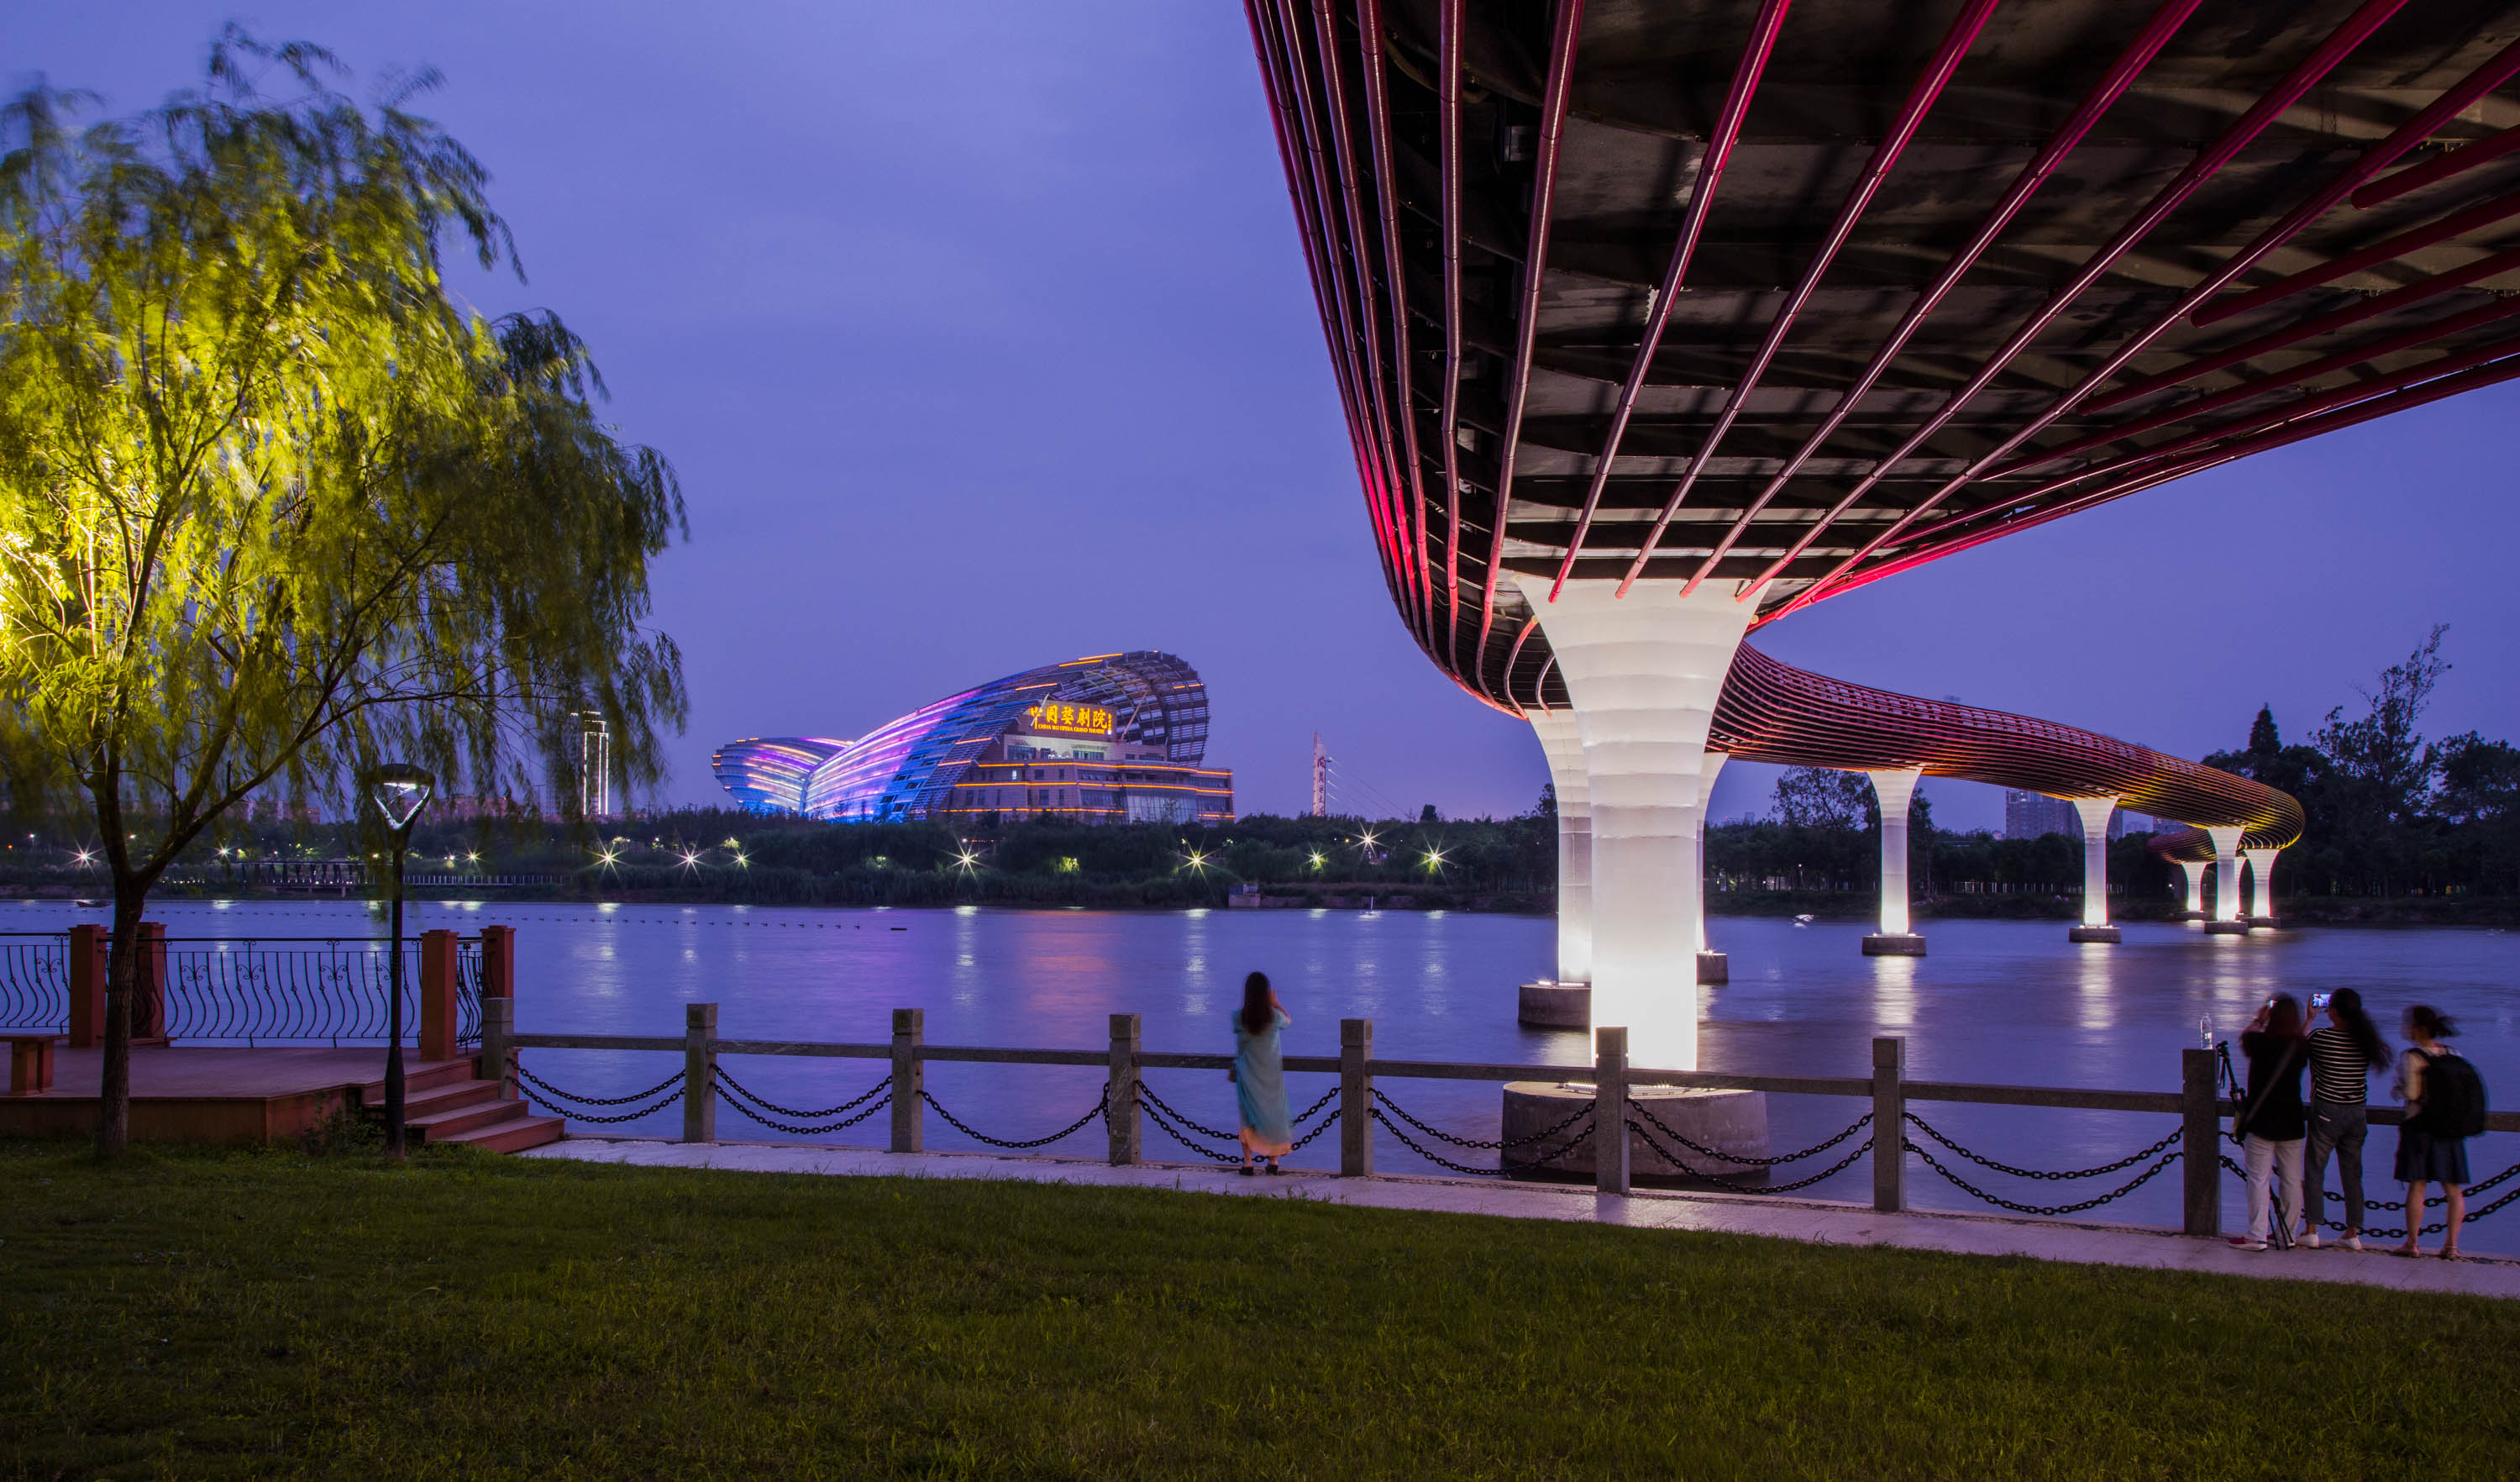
(2283, 1017)
(2345, 1007)
(1256, 1008)
(2431, 1023)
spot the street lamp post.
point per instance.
(399, 793)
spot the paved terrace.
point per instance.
(1824, 1222)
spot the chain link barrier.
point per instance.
(1719, 1180)
(1441, 1161)
(1852, 1128)
(1499, 1147)
(1157, 1109)
(528, 1076)
(753, 1105)
(551, 1099)
(2052, 1176)
(1101, 1103)
(2000, 1202)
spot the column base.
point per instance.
(2227, 929)
(2191, 916)
(1714, 969)
(2096, 934)
(1727, 1121)
(1555, 1006)
(2261, 921)
(1894, 944)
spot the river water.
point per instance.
(1996, 1001)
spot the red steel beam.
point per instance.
(1530, 625)
(1335, 107)
(1535, 265)
(2122, 75)
(2457, 162)
(1448, 150)
(1702, 197)
(2327, 365)
(2389, 250)
(1378, 104)
(2493, 73)
(1920, 100)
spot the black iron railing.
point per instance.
(249, 991)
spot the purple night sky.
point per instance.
(982, 338)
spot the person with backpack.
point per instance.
(2445, 1101)
(2272, 1123)
(2343, 1054)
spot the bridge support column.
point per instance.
(2095, 928)
(1895, 791)
(2262, 885)
(1564, 1002)
(1713, 968)
(1643, 673)
(2227, 919)
(2194, 870)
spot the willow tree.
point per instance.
(273, 507)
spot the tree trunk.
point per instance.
(121, 967)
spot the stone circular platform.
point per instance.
(2227, 929)
(1727, 1121)
(1894, 944)
(2094, 935)
(1555, 1006)
(1714, 970)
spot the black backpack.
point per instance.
(2453, 1097)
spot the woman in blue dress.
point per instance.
(1259, 1077)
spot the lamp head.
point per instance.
(400, 791)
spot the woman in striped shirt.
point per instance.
(2343, 1054)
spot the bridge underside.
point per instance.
(1787, 297)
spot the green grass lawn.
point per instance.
(229, 1315)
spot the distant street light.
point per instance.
(399, 792)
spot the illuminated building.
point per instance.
(1118, 738)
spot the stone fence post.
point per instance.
(1889, 1124)
(909, 1032)
(1356, 1099)
(699, 1072)
(2200, 1145)
(1610, 1110)
(498, 1052)
(1121, 1117)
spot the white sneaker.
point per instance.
(2350, 1243)
(2245, 1243)
(2310, 1240)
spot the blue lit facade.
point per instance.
(1114, 738)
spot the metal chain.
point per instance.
(1306, 1114)
(1328, 1123)
(1718, 1180)
(2121, 1164)
(739, 1088)
(2121, 1192)
(1176, 1114)
(1166, 1127)
(592, 1120)
(1438, 1158)
(597, 1100)
(1580, 1113)
(1852, 1128)
(1099, 1103)
(810, 1131)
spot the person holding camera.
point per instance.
(2343, 1054)
(2272, 1123)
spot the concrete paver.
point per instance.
(1820, 1222)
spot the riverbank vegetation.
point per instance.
(218, 1315)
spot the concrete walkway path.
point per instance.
(1823, 1222)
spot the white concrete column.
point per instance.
(1643, 673)
(2096, 813)
(2262, 884)
(2194, 870)
(1894, 791)
(2226, 879)
(1561, 740)
(1707, 771)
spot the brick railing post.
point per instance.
(437, 969)
(1356, 1099)
(497, 961)
(1122, 1118)
(1889, 1124)
(498, 1052)
(149, 982)
(1610, 1110)
(88, 945)
(908, 1031)
(2201, 1146)
(699, 1072)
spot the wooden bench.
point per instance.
(30, 1062)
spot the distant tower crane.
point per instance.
(1320, 779)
